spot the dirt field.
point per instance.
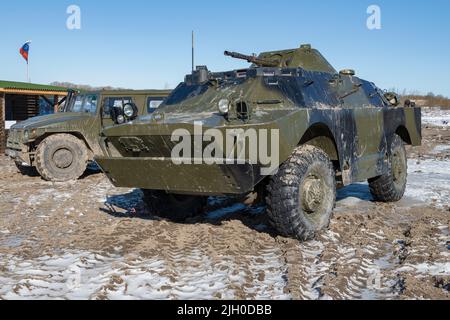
(89, 240)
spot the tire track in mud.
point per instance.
(212, 256)
(340, 267)
(358, 258)
(248, 270)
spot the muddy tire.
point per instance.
(391, 186)
(61, 158)
(173, 206)
(302, 195)
(26, 170)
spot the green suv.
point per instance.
(61, 145)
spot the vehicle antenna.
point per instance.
(193, 51)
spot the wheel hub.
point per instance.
(312, 195)
(63, 158)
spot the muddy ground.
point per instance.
(89, 240)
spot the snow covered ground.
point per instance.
(87, 275)
(76, 274)
(429, 182)
(436, 117)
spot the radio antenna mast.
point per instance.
(193, 51)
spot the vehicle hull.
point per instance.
(360, 137)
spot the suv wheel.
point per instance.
(61, 158)
(391, 186)
(301, 197)
(174, 206)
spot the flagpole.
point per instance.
(28, 63)
(24, 51)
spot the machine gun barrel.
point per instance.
(252, 59)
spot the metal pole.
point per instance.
(193, 51)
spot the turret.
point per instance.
(253, 59)
(303, 57)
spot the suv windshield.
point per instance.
(85, 103)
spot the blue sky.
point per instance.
(146, 44)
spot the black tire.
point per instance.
(302, 195)
(173, 206)
(61, 158)
(26, 170)
(391, 186)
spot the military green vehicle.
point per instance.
(318, 127)
(60, 145)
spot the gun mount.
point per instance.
(303, 57)
(253, 59)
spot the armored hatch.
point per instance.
(304, 57)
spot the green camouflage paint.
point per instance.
(303, 97)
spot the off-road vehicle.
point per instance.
(328, 128)
(59, 146)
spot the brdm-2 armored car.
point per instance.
(289, 128)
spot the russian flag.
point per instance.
(25, 50)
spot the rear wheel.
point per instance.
(61, 158)
(174, 206)
(391, 186)
(302, 195)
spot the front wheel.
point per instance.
(391, 186)
(61, 158)
(302, 195)
(174, 206)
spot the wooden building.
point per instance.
(20, 101)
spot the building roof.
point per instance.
(12, 87)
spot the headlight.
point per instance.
(128, 111)
(158, 116)
(120, 119)
(224, 106)
(26, 135)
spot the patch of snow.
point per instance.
(11, 241)
(87, 275)
(435, 269)
(436, 117)
(429, 181)
(440, 149)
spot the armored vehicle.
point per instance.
(60, 145)
(289, 129)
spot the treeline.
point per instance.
(428, 100)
